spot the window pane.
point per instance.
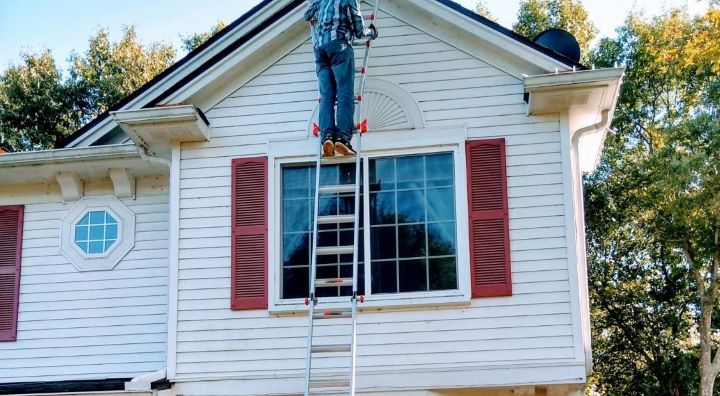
(384, 277)
(328, 206)
(382, 208)
(441, 239)
(295, 282)
(111, 232)
(421, 203)
(440, 204)
(83, 246)
(96, 247)
(411, 206)
(296, 182)
(97, 217)
(383, 242)
(296, 215)
(439, 170)
(109, 219)
(412, 275)
(81, 233)
(382, 174)
(410, 172)
(97, 233)
(296, 249)
(443, 273)
(411, 240)
(85, 220)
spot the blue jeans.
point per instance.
(335, 64)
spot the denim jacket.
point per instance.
(335, 19)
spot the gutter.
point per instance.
(59, 156)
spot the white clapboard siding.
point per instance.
(452, 88)
(87, 325)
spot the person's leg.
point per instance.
(343, 67)
(326, 112)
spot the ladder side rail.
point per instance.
(356, 236)
(312, 273)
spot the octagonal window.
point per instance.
(96, 232)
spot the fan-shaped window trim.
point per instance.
(395, 94)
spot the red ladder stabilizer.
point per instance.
(362, 127)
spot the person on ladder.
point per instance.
(335, 23)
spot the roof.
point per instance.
(261, 27)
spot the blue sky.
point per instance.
(64, 25)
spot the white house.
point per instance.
(165, 247)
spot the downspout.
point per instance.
(603, 124)
(579, 220)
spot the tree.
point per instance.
(193, 41)
(535, 16)
(36, 108)
(108, 72)
(653, 212)
(482, 9)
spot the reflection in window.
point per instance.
(298, 195)
(96, 232)
(412, 224)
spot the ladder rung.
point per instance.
(330, 250)
(337, 313)
(340, 188)
(330, 383)
(333, 282)
(336, 219)
(338, 159)
(331, 348)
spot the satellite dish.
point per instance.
(561, 42)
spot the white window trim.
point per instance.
(109, 259)
(378, 144)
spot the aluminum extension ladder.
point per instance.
(335, 384)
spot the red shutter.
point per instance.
(249, 286)
(11, 230)
(488, 212)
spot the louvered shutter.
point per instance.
(488, 212)
(249, 234)
(11, 225)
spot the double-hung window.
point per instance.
(409, 207)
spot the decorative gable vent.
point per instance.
(387, 107)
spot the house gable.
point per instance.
(246, 46)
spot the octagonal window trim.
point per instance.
(85, 261)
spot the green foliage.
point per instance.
(193, 41)
(482, 9)
(535, 16)
(36, 107)
(653, 217)
(39, 107)
(108, 72)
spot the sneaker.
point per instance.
(343, 147)
(328, 147)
